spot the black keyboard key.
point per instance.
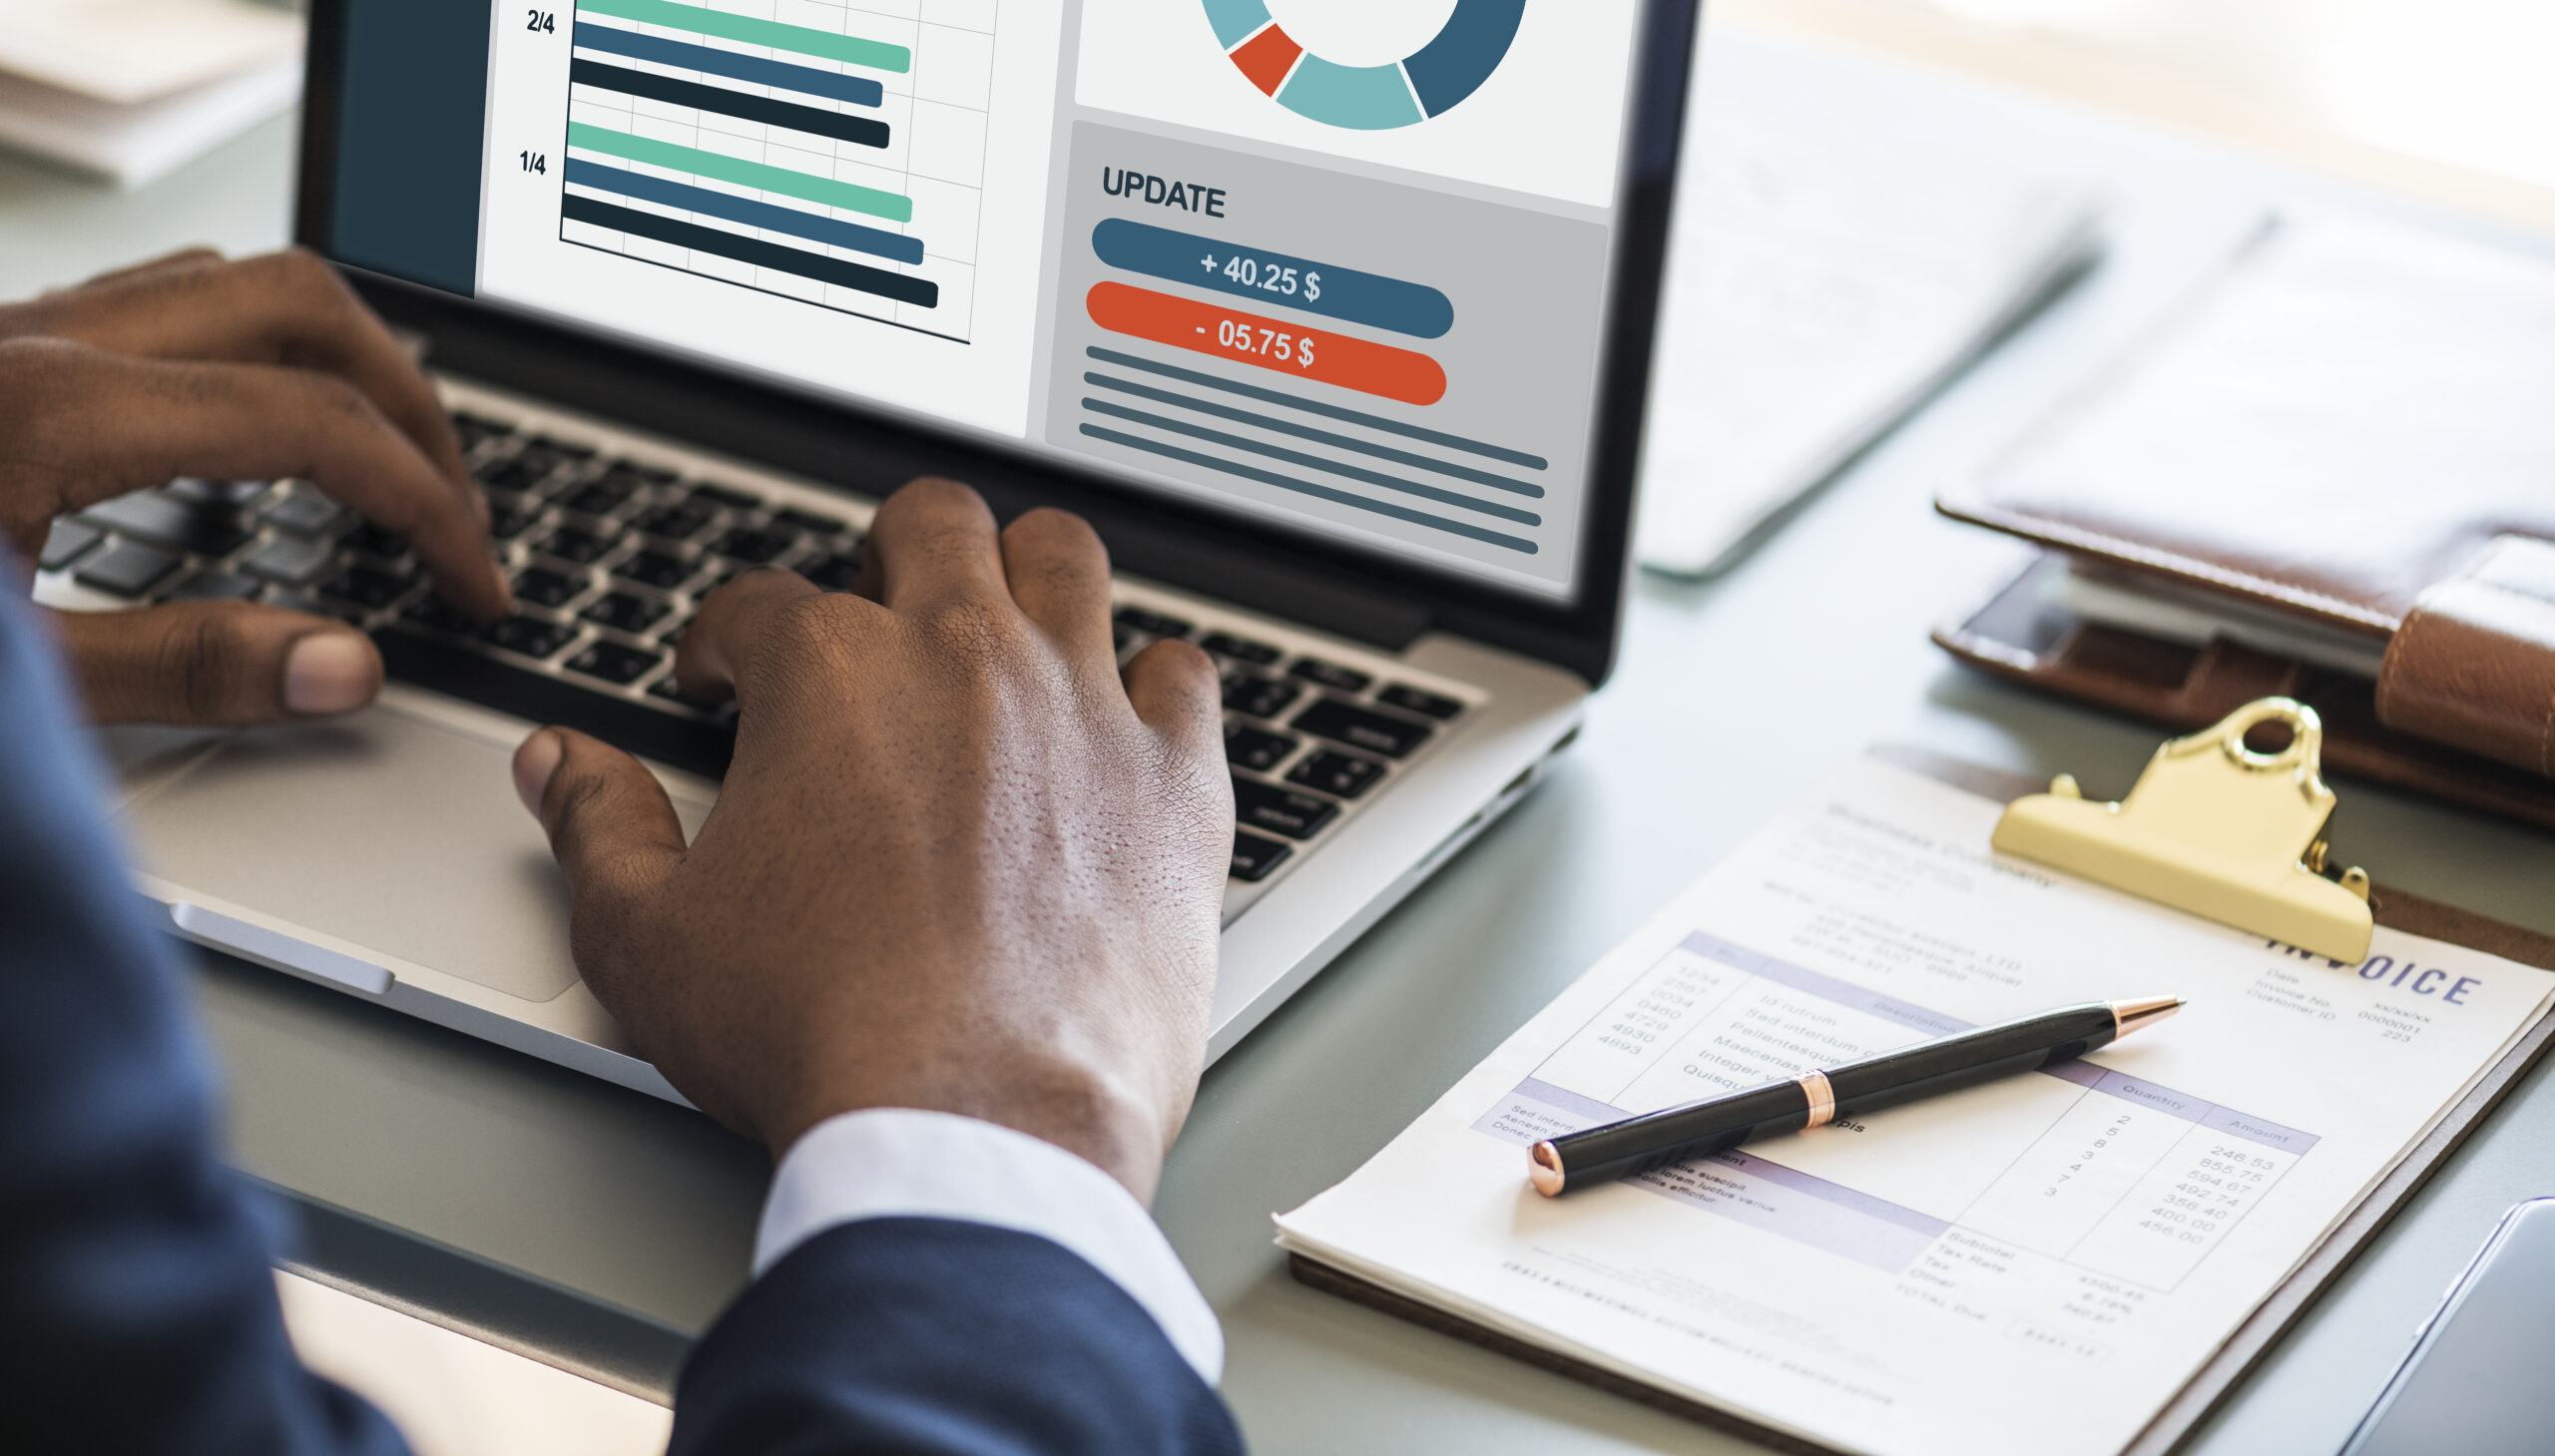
(636, 474)
(1254, 857)
(600, 497)
(1280, 810)
(505, 523)
(186, 524)
(624, 612)
(1240, 649)
(290, 561)
(523, 472)
(1376, 732)
(1152, 623)
(216, 586)
(67, 542)
(304, 513)
(1344, 774)
(1254, 748)
(753, 548)
(615, 664)
(529, 636)
(656, 569)
(837, 573)
(374, 540)
(236, 494)
(543, 587)
(1258, 696)
(674, 523)
(476, 430)
(712, 496)
(810, 521)
(367, 587)
(1330, 675)
(1414, 699)
(433, 610)
(560, 448)
(570, 543)
(1121, 636)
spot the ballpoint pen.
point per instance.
(1946, 1064)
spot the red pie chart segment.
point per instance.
(1266, 58)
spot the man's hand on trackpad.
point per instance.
(960, 863)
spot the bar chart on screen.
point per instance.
(836, 157)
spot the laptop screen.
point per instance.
(1340, 265)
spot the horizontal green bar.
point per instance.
(761, 176)
(702, 20)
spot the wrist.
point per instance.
(1087, 1113)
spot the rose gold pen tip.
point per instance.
(1543, 1170)
(2128, 1016)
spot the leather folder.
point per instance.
(2350, 430)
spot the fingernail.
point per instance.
(329, 671)
(535, 762)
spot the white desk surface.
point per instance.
(1731, 697)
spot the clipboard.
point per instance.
(2202, 1394)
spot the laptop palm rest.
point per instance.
(391, 831)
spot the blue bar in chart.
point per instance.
(834, 85)
(772, 218)
(1273, 278)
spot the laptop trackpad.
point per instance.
(393, 830)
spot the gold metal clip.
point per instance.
(2214, 828)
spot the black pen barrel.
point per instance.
(1699, 1130)
(1948, 1063)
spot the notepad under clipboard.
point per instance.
(2114, 1241)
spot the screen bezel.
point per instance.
(1317, 580)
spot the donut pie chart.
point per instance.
(1427, 83)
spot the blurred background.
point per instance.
(2453, 100)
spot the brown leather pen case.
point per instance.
(2331, 476)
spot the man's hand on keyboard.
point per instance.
(959, 863)
(256, 369)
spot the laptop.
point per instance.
(1333, 320)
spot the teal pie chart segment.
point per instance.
(1429, 81)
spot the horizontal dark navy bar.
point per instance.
(814, 226)
(1277, 279)
(1306, 487)
(860, 131)
(902, 287)
(856, 90)
(1326, 411)
(1313, 462)
(1304, 432)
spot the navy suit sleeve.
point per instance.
(931, 1335)
(137, 1308)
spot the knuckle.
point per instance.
(1052, 529)
(968, 631)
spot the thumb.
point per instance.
(218, 663)
(609, 820)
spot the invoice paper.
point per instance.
(2034, 1266)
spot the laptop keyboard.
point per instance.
(610, 556)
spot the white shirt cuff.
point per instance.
(891, 1163)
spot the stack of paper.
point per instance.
(131, 88)
(1823, 280)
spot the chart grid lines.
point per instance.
(839, 162)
